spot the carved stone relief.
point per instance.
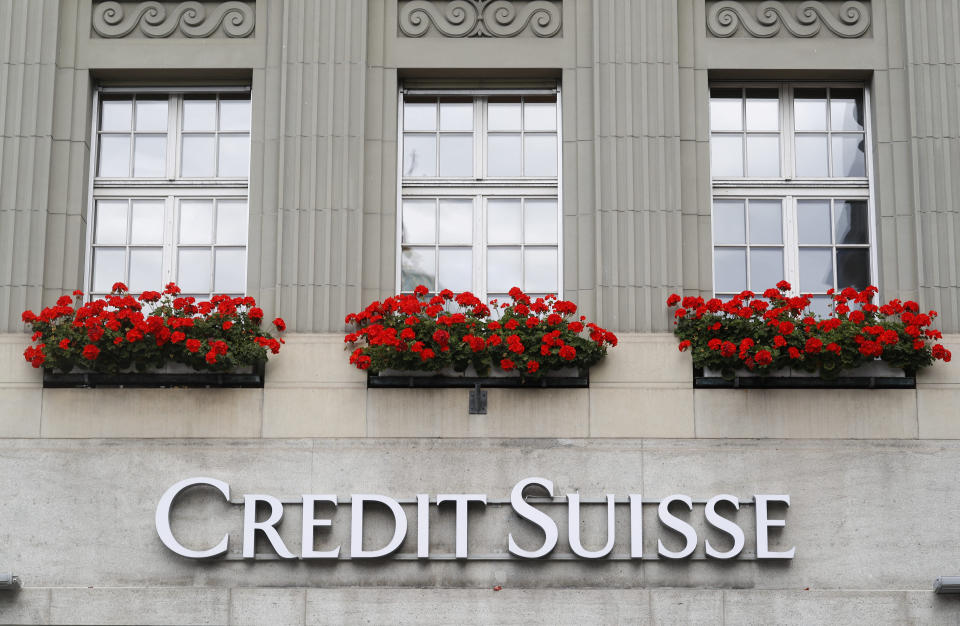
(811, 18)
(480, 18)
(173, 19)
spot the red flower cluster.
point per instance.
(779, 331)
(119, 332)
(447, 330)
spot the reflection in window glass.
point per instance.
(729, 225)
(816, 270)
(813, 221)
(766, 221)
(730, 270)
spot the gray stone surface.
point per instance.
(84, 513)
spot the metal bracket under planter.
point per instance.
(195, 379)
(700, 381)
(477, 384)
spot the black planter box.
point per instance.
(400, 381)
(909, 381)
(195, 379)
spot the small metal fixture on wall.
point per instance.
(9, 582)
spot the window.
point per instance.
(479, 196)
(791, 191)
(170, 192)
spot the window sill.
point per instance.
(251, 377)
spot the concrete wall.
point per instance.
(644, 388)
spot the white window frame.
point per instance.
(479, 187)
(789, 189)
(171, 188)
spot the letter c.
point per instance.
(163, 518)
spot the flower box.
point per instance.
(568, 378)
(774, 341)
(171, 375)
(872, 375)
(155, 340)
(452, 340)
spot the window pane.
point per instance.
(730, 269)
(417, 267)
(196, 223)
(810, 109)
(726, 155)
(146, 222)
(455, 269)
(766, 268)
(114, 156)
(108, 268)
(540, 221)
(816, 269)
(456, 221)
(199, 115)
(111, 224)
(540, 155)
(456, 155)
(853, 268)
(539, 115)
(811, 156)
(149, 155)
(851, 221)
(235, 115)
(846, 109)
(503, 269)
(503, 155)
(503, 116)
(726, 109)
(198, 156)
(848, 156)
(456, 116)
(230, 270)
(763, 155)
(503, 221)
(821, 305)
(145, 269)
(728, 221)
(151, 115)
(232, 222)
(766, 223)
(115, 115)
(419, 221)
(234, 155)
(193, 271)
(419, 155)
(763, 109)
(813, 217)
(420, 116)
(540, 270)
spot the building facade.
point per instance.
(322, 154)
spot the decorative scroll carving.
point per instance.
(806, 20)
(480, 18)
(114, 20)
